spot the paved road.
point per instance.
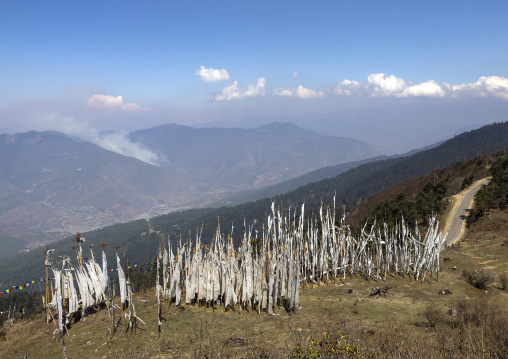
(457, 223)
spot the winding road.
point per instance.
(456, 226)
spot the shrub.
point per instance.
(503, 279)
(433, 315)
(479, 278)
(331, 346)
(472, 311)
(479, 329)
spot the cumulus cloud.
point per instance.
(112, 103)
(485, 86)
(232, 91)
(212, 75)
(429, 88)
(300, 92)
(381, 85)
(347, 87)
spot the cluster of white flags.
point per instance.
(333, 251)
(267, 270)
(82, 286)
(264, 271)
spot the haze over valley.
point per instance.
(54, 186)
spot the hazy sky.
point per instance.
(396, 74)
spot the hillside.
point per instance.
(457, 177)
(356, 185)
(52, 186)
(237, 158)
(444, 317)
(351, 187)
(290, 185)
(311, 177)
(462, 311)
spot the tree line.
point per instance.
(495, 194)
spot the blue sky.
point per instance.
(429, 66)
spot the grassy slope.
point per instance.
(194, 332)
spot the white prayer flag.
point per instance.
(60, 312)
(121, 279)
(105, 268)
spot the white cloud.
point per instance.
(381, 85)
(429, 88)
(112, 103)
(212, 75)
(300, 92)
(485, 86)
(295, 74)
(232, 91)
(284, 92)
(346, 87)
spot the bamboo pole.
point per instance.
(158, 298)
(62, 286)
(47, 251)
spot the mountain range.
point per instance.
(140, 239)
(237, 158)
(52, 185)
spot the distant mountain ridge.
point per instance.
(310, 177)
(52, 184)
(291, 184)
(238, 158)
(352, 186)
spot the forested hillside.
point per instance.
(418, 198)
(292, 184)
(314, 176)
(495, 194)
(351, 188)
(357, 184)
(236, 158)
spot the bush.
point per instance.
(331, 346)
(468, 181)
(433, 315)
(472, 312)
(478, 329)
(479, 278)
(504, 281)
